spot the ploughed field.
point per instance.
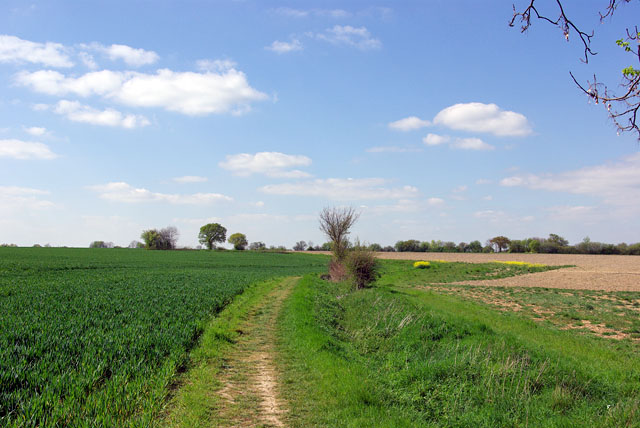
(586, 272)
(96, 337)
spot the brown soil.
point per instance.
(250, 394)
(591, 272)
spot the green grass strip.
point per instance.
(395, 357)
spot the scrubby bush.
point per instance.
(363, 266)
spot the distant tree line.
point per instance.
(554, 244)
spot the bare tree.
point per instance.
(169, 237)
(622, 107)
(335, 223)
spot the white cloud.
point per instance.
(77, 112)
(457, 143)
(616, 183)
(479, 117)
(88, 60)
(409, 124)
(435, 139)
(123, 192)
(435, 202)
(131, 56)
(188, 93)
(272, 164)
(190, 179)
(342, 189)
(14, 197)
(285, 47)
(392, 149)
(295, 13)
(299, 13)
(14, 49)
(36, 131)
(483, 181)
(470, 144)
(460, 189)
(219, 65)
(50, 82)
(491, 215)
(24, 150)
(357, 37)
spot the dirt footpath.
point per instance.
(591, 272)
(250, 393)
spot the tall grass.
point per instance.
(391, 357)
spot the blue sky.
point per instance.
(433, 118)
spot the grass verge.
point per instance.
(391, 356)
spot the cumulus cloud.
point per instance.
(357, 37)
(14, 49)
(284, 47)
(616, 183)
(392, 149)
(471, 144)
(188, 93)
(123, 192)
(14, 197)
(342, 189)
(487, 118)
(409, 124)
(272, 164)
(435, 139)
(131, 56)
(457, 143)
(77, 112)
(301, 13)
(25, 150)
(190, 179)
(36, 131)
(435, 202)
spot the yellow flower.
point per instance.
(421, 265)
(514, 263)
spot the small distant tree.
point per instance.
(557, 239)
(151, 238)
(136, 244)
(239, 241)
(375, 247)
(475, 247)
(212, 233)
(449, 247)
(257, 246)
(517, 246)
(500, 243)
(97, 244)
(533, 246)
(300, 246)
(412, 245)
(326, 246)
(169, 238)
(336, 223)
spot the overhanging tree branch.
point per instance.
(622, 109)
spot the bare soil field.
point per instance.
(591, 272)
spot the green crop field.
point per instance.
(96, 337)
